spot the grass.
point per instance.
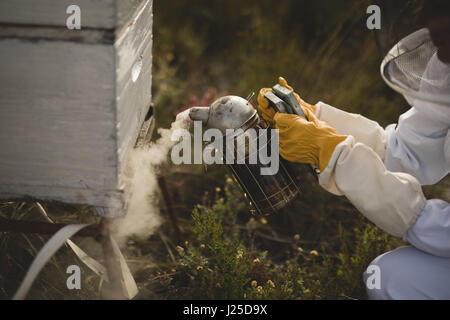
(17, 251)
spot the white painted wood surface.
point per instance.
(101, 14)
(133, 79)
(70, 108)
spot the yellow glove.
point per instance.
(306, 141)
(268, 112)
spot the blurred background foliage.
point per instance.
(318, 246)
(322, 48)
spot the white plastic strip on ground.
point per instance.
(49, 249)
(90, 262)
(129, 287)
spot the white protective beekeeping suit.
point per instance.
(381, 173)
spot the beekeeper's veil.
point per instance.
(411, 66)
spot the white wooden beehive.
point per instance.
(72, 102)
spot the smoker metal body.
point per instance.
(266, 194)
(72, 102)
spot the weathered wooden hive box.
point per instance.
(72, 102)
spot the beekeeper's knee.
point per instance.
(408, 273)
(387, 277)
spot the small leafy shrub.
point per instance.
(225, 260)
(341, 275)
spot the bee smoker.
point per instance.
(266, 194)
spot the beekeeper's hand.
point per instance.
(268, 112)
(362, 129)
(306, 141)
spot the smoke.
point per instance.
(143, 216)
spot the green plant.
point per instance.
(221, 261)
(340, 274)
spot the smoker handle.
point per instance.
(288, 96)
(278, 104)
(283, 106)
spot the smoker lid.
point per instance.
(230, 112)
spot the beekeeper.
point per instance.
(381, 171)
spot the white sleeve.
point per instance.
(391, 200)
(419, 145)
(431, 232)
(362, 129)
